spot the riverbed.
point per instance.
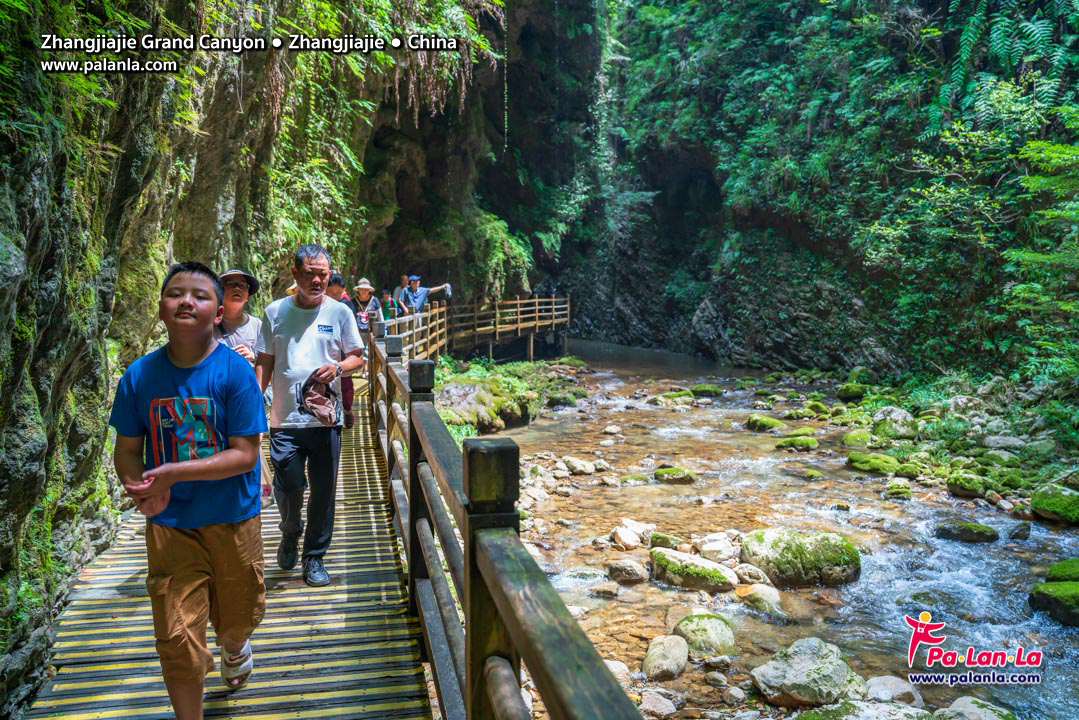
(744, 483)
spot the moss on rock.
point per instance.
(907, 470)
(1056, 502)
(851, 392)
(963, 484)
(898, 490)
(675, 476)
(858, 438)
(1059, 599)
(793, 559)
(691, 571)
(763, 423)
(801, 432)
(705, 390)
(801, 444)
(873, 462)
(967, 532)
(658, 539)
(635, 479)
(812, 474)
(1064, 571)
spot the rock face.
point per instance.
(793, 559)
(809, 672)
(666, 657)
(706, 634)
(1056, 502)
(691, 571)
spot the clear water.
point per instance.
(744, 483)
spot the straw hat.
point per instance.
(364, 284)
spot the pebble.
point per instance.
(604, 590)
(718, 662)
(654, 705)
(612, 430)
(716, 679)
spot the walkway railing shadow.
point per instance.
(456, 510)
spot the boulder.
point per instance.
(658, 539)
(612, 430)
(626, 538)
(966, 485)
(666, 657)
(858, 438)
(625, 571)
(799, 443)
(1056, 502)
(654, 706)
(691, 571)
(1002, 442)
(1064, 571)
(851, 392)
(888, 688)
(734, 696)
(763, 423)
(607, 590)
(675, 476)
(963, 403)
(1059, 599)
(792, 559)
(577, 466)
(706, 390)
(893, 422)
(718, 549)
(898, 489)
(809, 672)
(873, 462)
(967, 532)
(1020, 531)
(999, 458)
(862, 710)
(863, 375)
(635, 479)
(751, 574)
(909, 471)
(620, 671)
(760, 597)
(971, 708)
(706, 634)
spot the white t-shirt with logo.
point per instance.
(246, 333)
(301, 341)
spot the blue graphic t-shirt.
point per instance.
(188, 414)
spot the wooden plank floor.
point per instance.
(348, 650)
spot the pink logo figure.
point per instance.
(922, 632)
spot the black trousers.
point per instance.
(299, 456)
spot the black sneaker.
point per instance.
(287, 552)
(314, 574)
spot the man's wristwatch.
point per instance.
(339, 370)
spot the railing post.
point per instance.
(421, 384)
(393, 359)
(492, 487)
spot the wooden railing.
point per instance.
(457, 510)
(476, 323)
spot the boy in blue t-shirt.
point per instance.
(188, 421)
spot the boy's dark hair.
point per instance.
(336, 279)
(386, 292)
(195, 268)
(309, 252)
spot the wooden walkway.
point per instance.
(348, 650)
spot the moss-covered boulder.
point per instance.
(866, 710)
(705, 390)
(966, 485)
(800, 414)
(561, 399)
(858, 438)
(801, 432)
(794, 559)
(893, 422)
(635, 479)
(800, 443)
(690, 571)
(809, 672)
(812, 474)
(1064, 571)
(1056, 502)
(851, 392)
(707, 634)
(897, 489)
(873, 462)
(677, 395)
(907, 470)
(863, 375)
(1059, 599)
(967, 532)
(662, 540)
(999, 458)
(675, 476)
(763, 423)
(817, 407)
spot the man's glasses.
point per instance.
(235, 285)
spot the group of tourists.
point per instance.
(189, 418)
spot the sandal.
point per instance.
(234, 665)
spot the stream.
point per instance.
(743, 482)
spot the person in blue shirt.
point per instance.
(188, 418)
(415, 296)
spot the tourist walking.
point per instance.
(308, 341)
(364, 303)
(240, 331)
(188, 420)
(335, 288)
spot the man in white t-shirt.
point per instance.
(308, 341)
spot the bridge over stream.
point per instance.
(429, 577)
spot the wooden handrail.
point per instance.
(511, 611)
